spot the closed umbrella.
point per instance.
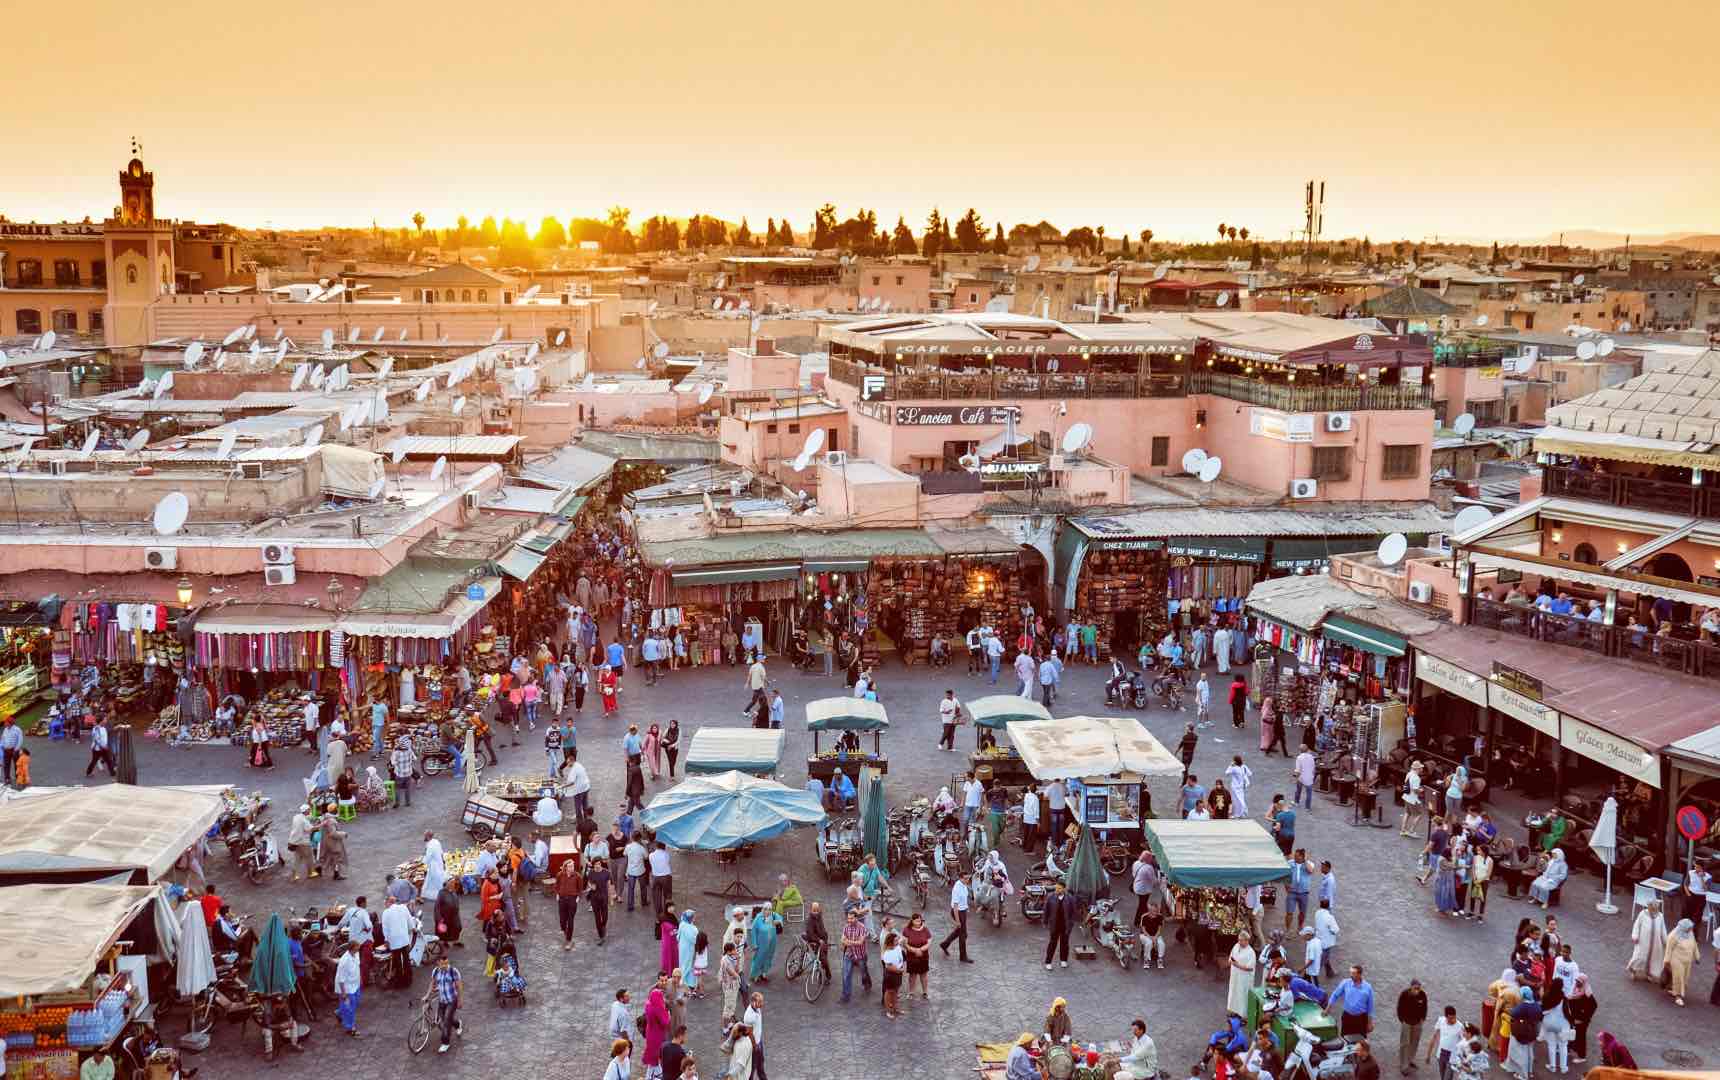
(196, 965)
(1087, 880)
(471, 761)
(1603, 841)
(874, 830)
(124, 756)
(272, 963)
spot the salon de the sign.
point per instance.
(939, 415)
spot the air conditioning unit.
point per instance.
(1305, 488)
(278, 554)
(472, 500)
(285, 574)
(251, 470)
(1339, 421)
(57, 467)
(836, 459)
(161, 558)
(1421, 592)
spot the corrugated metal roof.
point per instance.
(575, 466)
(417, 586)
(1360, 519)
(625, 446)
(456, 445)
(786, 546)
(1303, 602)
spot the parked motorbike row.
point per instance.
(1138, 689)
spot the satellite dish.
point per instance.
(378, 335)
(1464, 424)
(376, 488)
(1606, 347)
(651, 308)
(318, 376)
(138, 440)
(327, 339)
(1586, 350)
(886, 307)
(497, 336)
(1223, 299)
(402, 336)
(90, 444)
(437, 469)
(171, 512)
(342, 375)
(48, 340)
(969, 461)
(256, 350)
(1193, 460)
(531, 292)
(193, 353)
(1579, 279)
(399, 453)
(280, 352)
(280, 332)
(588, 382)
(459, 403)
(705, 391)
(814, 443)
(299, 375)
(1032, 263)
(163, 385)
(233, 335)
(1210, 468)
(717, 304)
(314, 435)
(362, 412)
(639, 363)
(386, 368)
(1162, 270)
(422, 392)
(352, 335)
(561, 337)
(746, 305)
(660, 350)
(1392, 549)
(531, 353)
(756, 323)
(1078, 436)
(229, 439)
(1480, 320)
(1624, 326)
(1470, 517)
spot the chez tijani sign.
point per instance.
(969, 415)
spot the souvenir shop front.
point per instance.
(720, 612)
(1211, 575)
(1115, 580)
(26, 655)
(121, 654)
(408, 660)
(540, 569)
(272, 658)
(915, 599)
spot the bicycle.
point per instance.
(428, 1020)
(804, 960)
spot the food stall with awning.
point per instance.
(1117, 773)
(991, 759)
(850, 716)
(755, 751)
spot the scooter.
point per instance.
(1169, 690)
(256, 853)
(1109, 930)
(1313, 1059)
(1035, 890)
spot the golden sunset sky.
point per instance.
(1498, 119)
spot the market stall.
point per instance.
(850, 716)
(725, 812)
(133, 834)
(755, 751)
(1118, 774)
(70, 984)
(995, 759)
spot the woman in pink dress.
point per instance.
(653, 748)
(1267, 708)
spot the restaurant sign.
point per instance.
(968, 415)
(1520, 681)
(1615, 753)
(1010, 468)
(1025, 348)
(1284, 427)
(1502, 698)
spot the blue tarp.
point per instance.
(721, 812)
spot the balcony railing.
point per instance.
(1312, 398)
(1636, 492)
(1686, 657)
(1006, 384)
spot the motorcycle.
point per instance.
(256, 854)
(1109, 930)
(1314, 1059)
(1128, 692)
(949, 857)
(1035, 890)
(1169, 690)
(1115, 856)
(988, 895)
(921, 880)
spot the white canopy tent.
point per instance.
(118, 830)
(1082, 747)
(62, 932)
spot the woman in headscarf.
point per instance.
(1503, 996)
(1580, 1006)
(1242, 962)
(447, 913)
(373, 793)
(435, 871)
(608, 686)
(1058, 1023)
(336, 757)
(657, 1029)
(766, 924)
(943, 808)
(1648, 943)
(331, 855)
(668, 939)
(1681, 954)
(1541, 889)
(1268, 714)
(1445, 882)
(1455, 785)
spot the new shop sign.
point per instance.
(1284, 427)
(969, 415)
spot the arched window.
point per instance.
(65, 322)
(29, 321)
(131, 275)
(465, 296)
(429, 295)
(448, 295)
(483, 296)
(1585, 553)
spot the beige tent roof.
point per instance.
(1680, 403)
(57, 954)
(1084, 747)
(117, 827)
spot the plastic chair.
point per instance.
(56, 729)
(388, 786)
(346, 811)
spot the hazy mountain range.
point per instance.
(1602, 239)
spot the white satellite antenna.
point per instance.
(381, 330)
(47, 341)
(327, 339)
(1222, 299)
(300, 373)
(229, 439)
(1077, 437)
(280, 352)
(705, 391)
(814, 443)
(1586, 350)
(163, 385)
(233, 335)
(497, 336)
(1480, 320)
(318, 376)
(1624, 326)
(717, 304)
(1210, 468)
(1606, 347)
(588, 382)
(531, 353)
(90, 445)
(1193, 460)
(386, 368)
(1470, 517)
(362, 411)
(1031, 264)
(650, 309)
(660, 350)
(352, 335)
(138, 439)
(746, 305)
(1392, 549)
(422, 392)
(531, 292)
(314, 435)
(756, 323)
(341, 375)
(399, 453)
(1464, 424)
(437, 469)
(402, 336)
(969, 461)
(1161, 271)
(171, 512)
(193, 353)
(256, 351)
(459, 403)
(345, 417)
(639, 363)
(250, 331)
(280, 332)
(1579, 279)
(561, 336)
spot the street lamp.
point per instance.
(184, 592)
(335, 588)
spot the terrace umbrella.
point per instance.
(272, 963)
(874, 829)
(196, 964)
(1603, 841)
(1086, 879)
(726, 811)
(471, 756)
(124, 756)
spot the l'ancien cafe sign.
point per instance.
(969, 415)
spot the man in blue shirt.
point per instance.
(1283, 824)
(1192, 793)
(776, 708)
(616, 657)
(445, 986)
(1328, 883)
(1355, 997)
(648, 656)
(1301, 875)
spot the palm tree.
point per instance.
(1245, 234)
(418, 221)
(1233, 234)
(1221, 232)
(1100, 231)
(1146, 237)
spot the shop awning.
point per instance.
(62, 950)
(260, 619)
(1362, 636)
(997, 710)
(1074, 747)
(845, 714)
(445, 623)
(730, 575)
(520, 562)
(1231, 854)
(1245, 549)
(837, 566)
(750, 750)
